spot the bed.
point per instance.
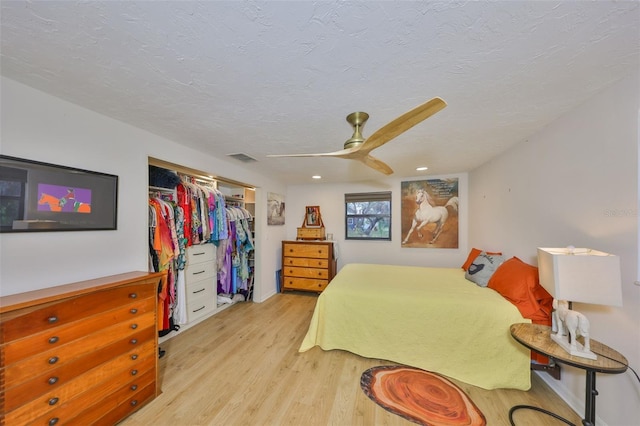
(430, 318)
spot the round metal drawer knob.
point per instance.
(53, 401)
(133, 295)
(53, 421)
(134, 402)
(134, 326)
(52, 380)
(134, 311)
(52, 319)
(133, 341)
(134, 387)
(53, 360)
(53, 339)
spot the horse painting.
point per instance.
(51, 201)
(57, 204)
(426, 213)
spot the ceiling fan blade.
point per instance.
(343, 153)
(402, 124)
(376, 164)
(351, 153)
(383, 135)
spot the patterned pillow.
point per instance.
(483, 267)
(472, 256)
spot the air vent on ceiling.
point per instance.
(243, 157)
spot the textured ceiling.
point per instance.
(280, 77)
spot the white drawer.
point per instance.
(200, 305)
(200, 289)
(201, 253)
(200, 272)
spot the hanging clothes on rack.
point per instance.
(180, 309)
(164, 242)
(235, 272)
(220, 218)
(184, 202)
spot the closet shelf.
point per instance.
(161, 189)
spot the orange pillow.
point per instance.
(472, 256)
(517, 282)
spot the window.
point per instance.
(12, 196)
(368, 216)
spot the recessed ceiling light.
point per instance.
(422, 168)
(316, 177)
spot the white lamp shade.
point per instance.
(581, 275)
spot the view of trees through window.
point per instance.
(11, 200)
(368, 216)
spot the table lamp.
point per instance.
(578, 275)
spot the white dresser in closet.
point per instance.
(201, 281)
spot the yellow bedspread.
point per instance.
(430, 318)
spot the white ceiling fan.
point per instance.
(358, 148)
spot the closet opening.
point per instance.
(202, 235)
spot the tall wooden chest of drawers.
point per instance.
(307, 265)
(82, 353)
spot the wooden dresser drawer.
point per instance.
(48, 361)
(306, 250)
(121, 370)
(306, 284)
(61, 335)
(306, 262)
(291, 271)
(51, 315)
(200, 253)
(123, 403)
(96, 407)
(51, 381)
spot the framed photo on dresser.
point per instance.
(313, 218)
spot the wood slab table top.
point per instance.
(537, 338)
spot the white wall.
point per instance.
(330, 198)
(575, 183)
(41, 127)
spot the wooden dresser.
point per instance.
(81, 353)
(307, 265)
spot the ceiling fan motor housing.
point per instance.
(357, 120)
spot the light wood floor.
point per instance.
(242, 367)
